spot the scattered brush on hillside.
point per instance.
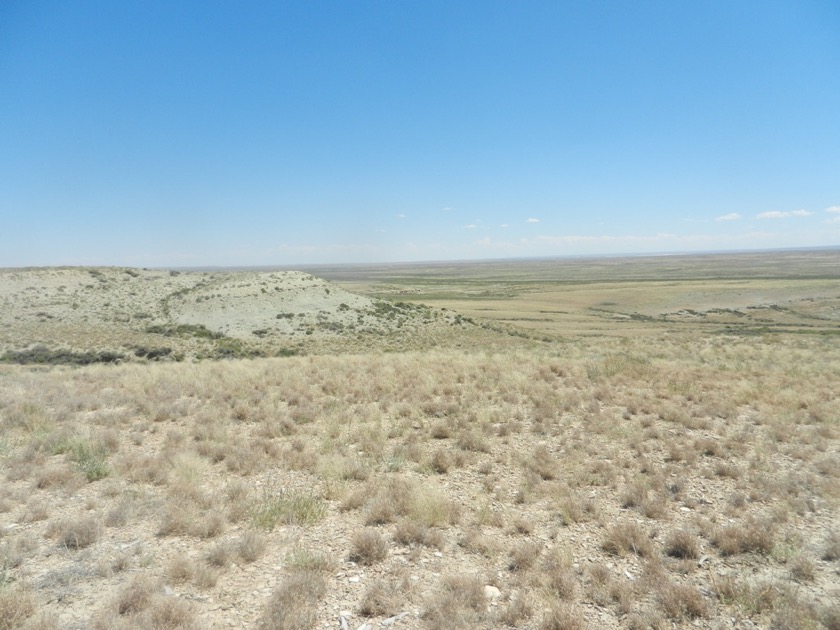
(81, 316)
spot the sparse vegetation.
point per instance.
(601, 473)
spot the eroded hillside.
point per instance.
(98, 314)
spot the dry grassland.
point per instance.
(685, 477)
(748, 293)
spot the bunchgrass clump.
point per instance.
(384, 597)
(682, 544)
(91, 457)
(368, 547)
(409, 532)
(681, 600)
(302, 559)
(294, 603)
(626, 537)
(292, 507)
(77, 533)
(143, 604)
(250, 546)
(16, 606)
(752, 536)
(458, 603)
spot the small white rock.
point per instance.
(491, 592)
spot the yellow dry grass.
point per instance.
(684, 477)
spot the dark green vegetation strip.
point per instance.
(41, 355)
(184, 330)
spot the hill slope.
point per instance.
(157, 314)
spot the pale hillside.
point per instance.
(119, 313)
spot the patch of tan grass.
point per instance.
(459, 602)
(368, 547)
(293, 605)
(626, 537)
(16, 606)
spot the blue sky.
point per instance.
(162, 133)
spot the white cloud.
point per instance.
(776, 214)
(532, 220)
(834, 209)
(471, 226)
(732, 216)
(833, 219)
(401, 216)
(504, 226)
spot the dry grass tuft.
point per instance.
(251, 546)
(681, 600)
(368, 547)
(831, 549)
(77, 533)
(523, 556)
(518, 611)
(561, 616)
(627, 537)
(294, 604)
(189, 520)
(142, 604)
(442, 460)
(180, 569)
(458, 603)
(408, 532)
(752, 536)
(556, 577)
(16, 606)
(219, 555)
(682, 544)
(802, 568)
(385, 597)
(576, 508)
(542, 463)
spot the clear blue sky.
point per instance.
(155, 133)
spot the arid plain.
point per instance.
(646, 442)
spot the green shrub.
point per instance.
(40, 354)
(291, 508)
